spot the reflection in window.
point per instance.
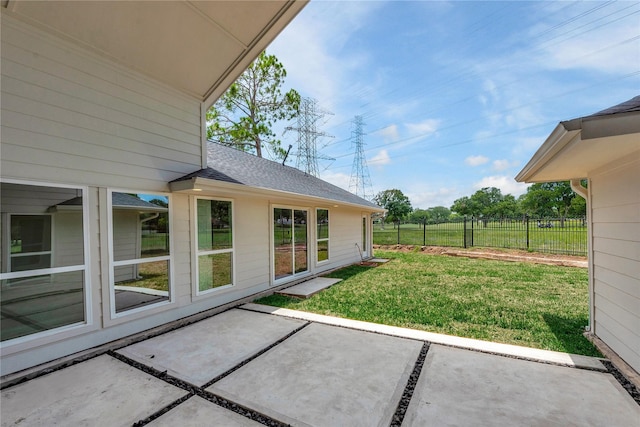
(289, 242)
(322, 221)
(215, 243)
(141, 254)
(42, 267)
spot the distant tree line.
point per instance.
(543, 200)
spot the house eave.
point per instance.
(199, 185)
(563, 134)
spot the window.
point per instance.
(322, 234)
(43, 266)
(215, 244)
(140, 250)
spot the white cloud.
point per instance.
(382, 158)
(389, 133)
(610, 49)
(425, 127)
(310, 46)
(337, 178)
(507, 185)
(424, 196)
(476, 160)
(502, 164)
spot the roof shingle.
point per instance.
(234, 166)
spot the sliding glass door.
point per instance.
(290, 237)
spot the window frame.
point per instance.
(64, 331)
(310, 239)
(162, 305)
(327, 239)
(197, 253)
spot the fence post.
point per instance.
(527, 217)
(398, 232)
(464, 232)
(472, 221)
(424, 231)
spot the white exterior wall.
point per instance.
(615, 204)
(72, 118)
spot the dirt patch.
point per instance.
(493, 253)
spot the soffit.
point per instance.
(197, 47)
(582, 156)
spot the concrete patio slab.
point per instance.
(546, 356)
(197, 411)
(326, 376)
(309, 288)
(100, 391)
(460, 387)
(200, 352)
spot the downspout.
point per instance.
(583, 192)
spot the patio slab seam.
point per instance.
(503, 350)
(412, 381)
(194, 390)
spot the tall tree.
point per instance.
(395, 202)
(244, 116)
(549, 199)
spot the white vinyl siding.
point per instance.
(73, 116)
(615, 203)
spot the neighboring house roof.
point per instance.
(196, 47)
(127, 201)
(118, 201)
(236, 167)
(584, 144)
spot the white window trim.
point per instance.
(327, 239)
(196, 292)
(152, 308)
(73, 329)
(310, 246)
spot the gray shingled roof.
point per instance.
(625, 107)
(123, 200)
(234, 166)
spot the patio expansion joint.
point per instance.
(255, 356)
(624, 382)
(362, 326)
(201, 391)
(403, 404)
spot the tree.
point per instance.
(551, 199)
(395, 202)
(243, 117)
(481, 203)
(439, 213)
(419, 216)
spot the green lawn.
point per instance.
(531, 305)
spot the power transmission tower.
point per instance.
(308, 134)
(360, 181)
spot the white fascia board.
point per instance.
(204, 184)
(563, 134)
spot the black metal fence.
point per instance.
(550, 235)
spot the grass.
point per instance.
(525, 304)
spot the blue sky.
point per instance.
(455, 95)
